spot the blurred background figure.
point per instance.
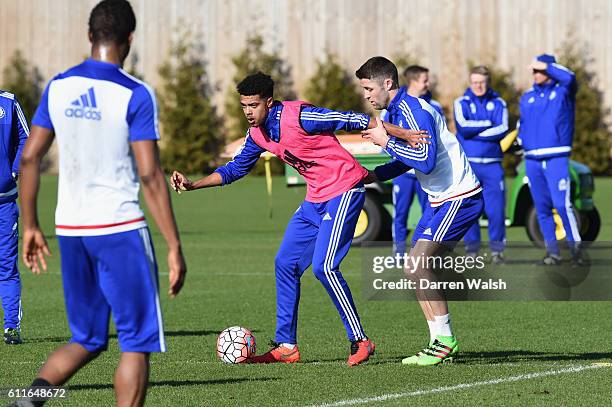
(406, 185)
(481, 118)
(546, 132)
(13, 133)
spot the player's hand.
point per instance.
(415, 138)
(370, 178)
(179, 182)
(34, 250)
(538, 65)
(178, 270)
(377, 135)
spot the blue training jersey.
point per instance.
(13, 135)
(481, 121)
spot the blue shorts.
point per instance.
(116, 274)
(448, 222)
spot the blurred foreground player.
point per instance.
(105, 122)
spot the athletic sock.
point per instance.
(444, 325)
(39, 382)
(288, 345)
(433, 330)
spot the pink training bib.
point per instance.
(329, 170)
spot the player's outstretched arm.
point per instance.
(179, 182)
(34, 244)
(157, 196)
(242, 163)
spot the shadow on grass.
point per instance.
(341, 361)
(525, 355)
(52, 339)
(497, 357)
(66, 339)
(175, 383)
(191, 333)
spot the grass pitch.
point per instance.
(512, 353)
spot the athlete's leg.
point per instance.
(131, 379)
(333, 243)
(403, 193)
(540, 193)
(557, 175)
(128, 277)
(423, 229)
(473, 237)
(293, 258)
(64, 362)
(87, 312)
(10, 283)
(448, 224)
(495, 204)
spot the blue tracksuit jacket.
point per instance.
(547, 115)
(481, 121)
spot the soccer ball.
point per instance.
(235, 344)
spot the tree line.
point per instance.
(194, 132)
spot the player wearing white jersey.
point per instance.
(444, 173)
(105, 123)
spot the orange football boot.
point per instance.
(278, 354)
(360, 351)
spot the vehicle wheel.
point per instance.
(533, 227)
(590, 223)
(369, 224)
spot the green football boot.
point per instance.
(440, 351)
(412, 360)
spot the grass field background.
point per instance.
(230, 242)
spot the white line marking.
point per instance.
(462, 386)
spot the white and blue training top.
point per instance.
(96, 110)
(441, 167)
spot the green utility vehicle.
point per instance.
(376, 217)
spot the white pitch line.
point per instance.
(462, 386)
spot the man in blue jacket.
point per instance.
(13, 134)
(546, 134)
(481, 118)
(406, 185)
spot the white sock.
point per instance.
(288, 345)
(433, 331)
(444, 325)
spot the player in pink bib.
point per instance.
(321, 230)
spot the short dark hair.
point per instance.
(413, 72)
(112, 21)
(256, 84)
(378, 68)
(480, 70)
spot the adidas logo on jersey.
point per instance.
(84, 107)
(327, 216)
(427, 231)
